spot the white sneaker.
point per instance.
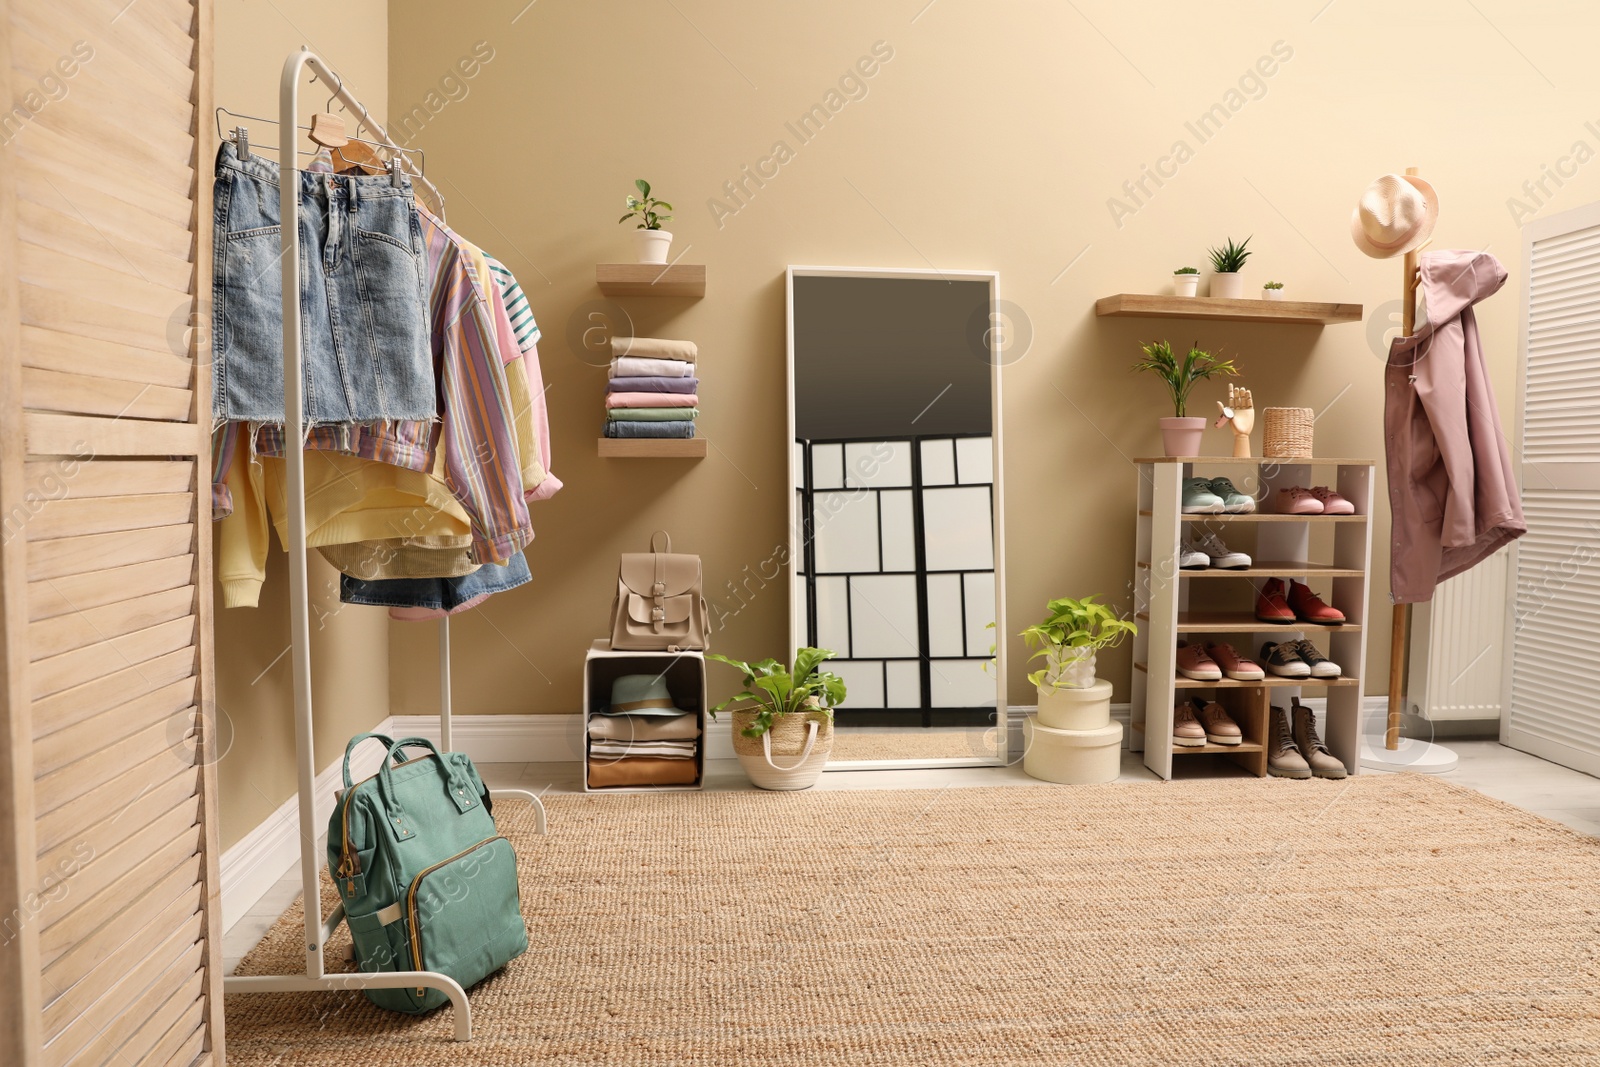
(1191, 558)
(1219, 555)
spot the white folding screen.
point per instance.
(1554, 616)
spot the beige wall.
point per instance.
(350, 645)
(993, 139)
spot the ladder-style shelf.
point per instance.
(1173, 605)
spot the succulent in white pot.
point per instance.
(1068, 639)
(1186, 281)
(651, 242)
(1272, 291)
(1226, 263)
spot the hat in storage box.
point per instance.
(641, 694)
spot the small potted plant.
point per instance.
(1186, 281)
(1072, 632)
(1180, 434)
(791, 717)
(1272, 291)
(1226, 262)
(650, 240)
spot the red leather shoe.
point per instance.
(1308, 607)
(1271, 604)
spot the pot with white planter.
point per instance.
(1180, 433)
(1186, 281)
(650, 242)
(1071, 739)
(785, 733)
(1226, 262)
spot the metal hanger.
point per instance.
(246, 147)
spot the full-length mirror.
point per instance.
(894, 390)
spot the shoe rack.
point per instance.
(1331, 553)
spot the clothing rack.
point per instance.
(318, 930)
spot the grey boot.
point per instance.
(1283, 758)
(1323, 764)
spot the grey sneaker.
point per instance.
(1323, 764)
(1283, 758)
(1233, 501)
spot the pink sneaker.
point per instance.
(1332, 503)
(1297, 500)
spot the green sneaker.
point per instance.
(1199, 499)
(1233, 501)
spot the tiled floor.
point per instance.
(1529, 782)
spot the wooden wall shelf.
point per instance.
(1297, 312)
(652, 448)
(651, 279)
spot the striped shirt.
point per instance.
(475, 427)
(517, 307)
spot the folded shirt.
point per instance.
(630, 428)
(654, 414)
(643, 770)
(654, 348)
(644, 728)
(658, 749)
(640, 367)
(653, 385)
(651, 400)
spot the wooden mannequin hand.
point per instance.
(1239, 410)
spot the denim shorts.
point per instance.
(365, 344)
(439, 594)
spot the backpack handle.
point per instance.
(458, 787)
(349, 750)
(665, 537)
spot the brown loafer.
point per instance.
(1186, 729)
(1220, 728)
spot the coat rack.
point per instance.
(318, 930)
(1408, 754)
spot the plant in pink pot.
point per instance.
(1180, 434)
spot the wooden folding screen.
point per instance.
(110, 946)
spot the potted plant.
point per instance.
(650, 240)
(1272, 291)
(1226, 262)
(1180, 434)
(1186, 281)
(792, 716)
(1067, 640)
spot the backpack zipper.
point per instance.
(411, 901)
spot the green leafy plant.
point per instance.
(779, 690)
(646, 208)
(1273, 285)
(1070, 627)
(1229, 259)
(1181, 375)
(1187, 270)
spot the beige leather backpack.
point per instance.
(660, 605)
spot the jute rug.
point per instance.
(1386, 920)
(891, 742)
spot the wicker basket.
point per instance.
(774, 760)
(1286, 433)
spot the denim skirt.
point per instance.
(365, 338)
(438, 594)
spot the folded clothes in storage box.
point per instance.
(659, 749)
(642, 770)
(629, 428)
(644, 727)
(655, 384)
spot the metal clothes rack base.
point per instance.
(319, 930)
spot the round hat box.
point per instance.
(1076, 709)
(1072, 757)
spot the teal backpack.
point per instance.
(426, 881)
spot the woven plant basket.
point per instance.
(1286, 433)
(779, 759)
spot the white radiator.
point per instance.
(1458, 645)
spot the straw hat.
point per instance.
(1395, 215)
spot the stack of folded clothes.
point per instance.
(642, 738)
(653, 390)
